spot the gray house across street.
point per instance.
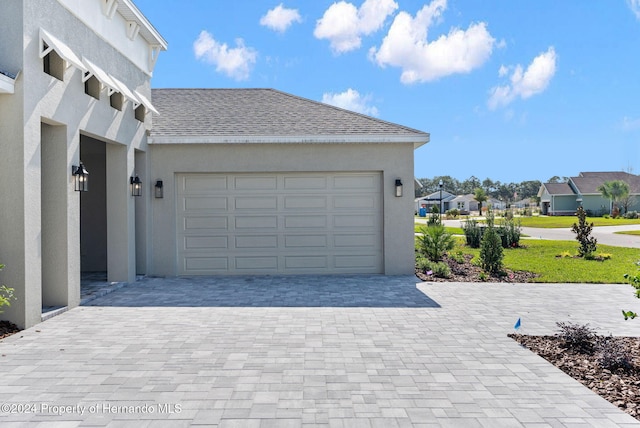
(565, 198)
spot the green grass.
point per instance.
(451, 230)
(628, 232)
(567, 221)
(539, 257)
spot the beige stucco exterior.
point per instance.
(43, 123)
(393, 160)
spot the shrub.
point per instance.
(438, 269)
(434, 217)
(509, 232)
(631, 215)
(583, 231)
(472, 233)
(458, 257)
(491, 252)
(580, 338)
(634, 280)
(453, 213)
(6, 294)
(434, 242)
(613, 355)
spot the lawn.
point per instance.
(567, 221)
(539, 256)
(628, 232)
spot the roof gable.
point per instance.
(264, 115)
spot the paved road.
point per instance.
(307, 351)
(604, 234)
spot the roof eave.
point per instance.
(144, 22)
(417, 140)
(7, 84)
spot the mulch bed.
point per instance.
(7, 329)
(468, 272)
(620, 387)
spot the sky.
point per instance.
(508, 90)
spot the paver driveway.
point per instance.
(338, 351)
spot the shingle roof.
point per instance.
(261, 112)
(588, 182)
(559, 189)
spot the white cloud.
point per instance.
(630, 124)
(280, 18)
(635, 7)
(343, 24)
(234, 62)
(407, 46)
(524, 84)
(351, 100)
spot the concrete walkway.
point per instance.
(305, 351)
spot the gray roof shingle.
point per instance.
(559, 189)
(260, 112)
(588, 182)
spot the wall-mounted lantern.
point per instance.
(80, 178)
(159, 192)
(136, 186)
(398, 188)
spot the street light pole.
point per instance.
(440, 184)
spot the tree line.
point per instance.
(507, 192)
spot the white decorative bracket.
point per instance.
(133, 28)
(109, 8)
(154, 52)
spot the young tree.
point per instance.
(615, 190)
(582, 229)
(480, 196)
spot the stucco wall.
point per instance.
(394, 160)
(40, 98)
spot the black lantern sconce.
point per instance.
(398, 188)
(158, 188)
(136, 186)
(80, 178)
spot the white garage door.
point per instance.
(284, 223)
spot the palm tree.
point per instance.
(615, 190)
(480, 196)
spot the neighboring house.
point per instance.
(433, 199)
(464, 203)
(523, 203)
(242, 181)
(565, 198)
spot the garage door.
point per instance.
(285, 223)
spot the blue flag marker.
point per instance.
(517, 325)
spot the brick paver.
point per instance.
(305, 351)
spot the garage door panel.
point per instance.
(198, 203)
(355, 181)
(305, 221)
(354, 202)
(305, 203)
(306, 262)
(270, 241)
(194, 224)
(256, 222)
(313, 183)
(279, 223)
(363, 241)
(202, 184)
(256, 183)
(205, 242)
(308, 241)
(365, 221)
(256, 203)
(247, 263)
(206, 264)
(355, 262)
